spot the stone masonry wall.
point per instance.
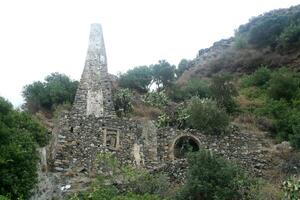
(94, 96)
(244, 147)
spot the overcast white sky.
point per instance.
(38, 37)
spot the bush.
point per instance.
(194, 87)
(286, 120)
(19, 135)
(291, 188)
(223, 91)
(137, 184)
(156, 184)
(206, 116)
(211, 177)
(240, 42)
(138, 78)
(123, 102)
(283, 85)
(156, 99)
(131, 196)
(259, 78)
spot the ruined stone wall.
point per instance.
(245, 147)
(81, 138)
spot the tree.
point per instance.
(55, 90)
(183, 65)
(19, 135)
(163, 73)
(138, 78)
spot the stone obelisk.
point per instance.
(93, 96)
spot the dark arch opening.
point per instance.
(184, 145)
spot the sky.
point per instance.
(38, 37)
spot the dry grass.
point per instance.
(146, 112)
(247, 121)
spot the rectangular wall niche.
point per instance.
(111, 138)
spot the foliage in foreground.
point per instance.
(213, 178)
(291, 188)
(57, 89)
(20, 135)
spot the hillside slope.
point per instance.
(271, 39)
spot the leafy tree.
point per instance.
(122, 102)
(163, 73)
(19, 135)
(213, 178)
(183, 65)
(138, 78)
(205, 116)
(55, 90)
(223, 91)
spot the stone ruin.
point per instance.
(92, 127)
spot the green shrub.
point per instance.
(240, 42)
(138, 78)
(156, 99)
(291, 188)
(206, 116)
(123, 102)
(286, 120)
(132, 196)
(163, 120)
(194, 87)
(156, 184)
(223, 91)
(259, 78)
(3, 198)
(104, 193)
(197, 87)
(283, 85)
(211, 177)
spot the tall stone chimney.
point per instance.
(93, 96)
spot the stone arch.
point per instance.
(181, 143)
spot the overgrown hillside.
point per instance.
(271, 39)
(249, 83)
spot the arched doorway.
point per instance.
(184, 145)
